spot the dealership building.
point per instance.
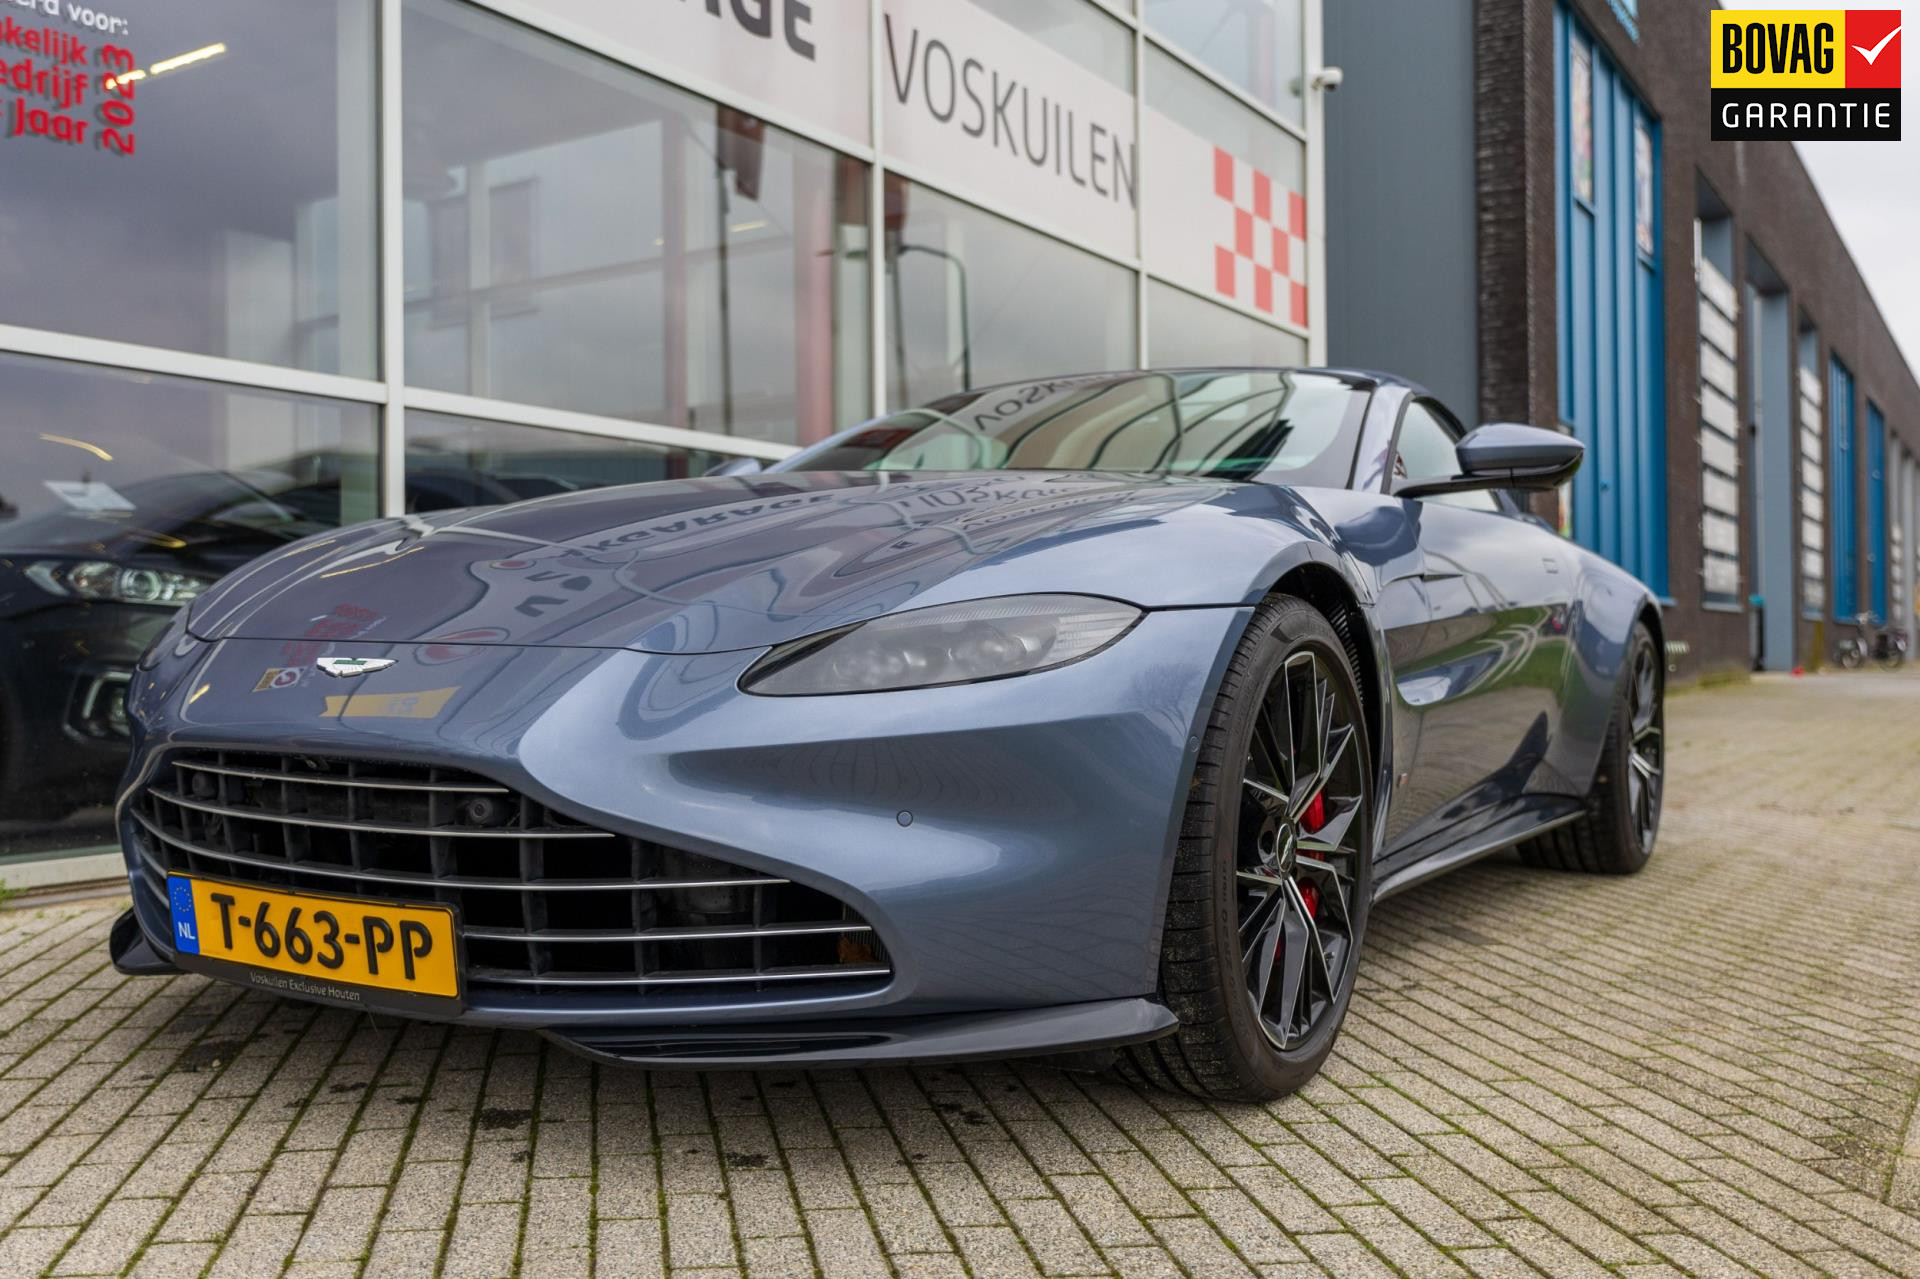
(269, 266)
(1551, 236)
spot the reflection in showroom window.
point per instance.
(585, 237)
(459, 461)
(191, 223)
(1186, 331)
(1255, 45)
(975, 300)
(123, 497)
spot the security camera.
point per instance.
(1327, 79)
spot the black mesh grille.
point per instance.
(545, 902)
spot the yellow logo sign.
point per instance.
(1806, 74)
(1779, 49)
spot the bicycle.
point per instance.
(1886, 645)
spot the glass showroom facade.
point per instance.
(271, 266)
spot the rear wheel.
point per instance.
(1615, 835)
(1271, 884)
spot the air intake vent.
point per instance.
(545, 902)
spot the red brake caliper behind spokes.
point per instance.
(1310, 821)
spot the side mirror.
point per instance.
(737, 466)
(1506, 455)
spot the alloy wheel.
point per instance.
(1645, 753)
(1301, 831)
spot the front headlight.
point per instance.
(173, 639)
(115, 583)
(946, 644)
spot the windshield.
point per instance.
(1219, 423)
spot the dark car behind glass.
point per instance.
(83, 591)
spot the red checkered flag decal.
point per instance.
(1262, 259)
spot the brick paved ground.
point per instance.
(1706, 1069)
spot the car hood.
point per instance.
(712, 565)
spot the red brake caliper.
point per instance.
(1310, 821)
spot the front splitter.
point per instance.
(1070, 1028)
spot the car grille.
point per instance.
(546, 903)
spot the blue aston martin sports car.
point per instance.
(1083, 716)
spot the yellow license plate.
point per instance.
(345, 940)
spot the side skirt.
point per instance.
(1508, 833)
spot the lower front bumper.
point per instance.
(1026, 1032)
(1070, 1028)
(133, 954)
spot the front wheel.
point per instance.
(1850, 656)
(1273, 874)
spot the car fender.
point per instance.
(1328, 575)
(1233, 549)
(1608, 601)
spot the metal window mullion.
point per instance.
(135, 357)
(876, 219)
(1142, 345)
(392, 221)
(1313, 106)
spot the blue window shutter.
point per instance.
(1846, 581)
(1611, 317)
(1877, 512)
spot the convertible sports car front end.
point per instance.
(1045, 719)
(641, 857)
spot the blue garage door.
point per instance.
(1840, 461)
(1876, 512)
(1612, 347)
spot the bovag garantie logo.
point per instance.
(1806, 74)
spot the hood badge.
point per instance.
(342, 667)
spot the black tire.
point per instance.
(1615, 836)
(1232, 1043)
